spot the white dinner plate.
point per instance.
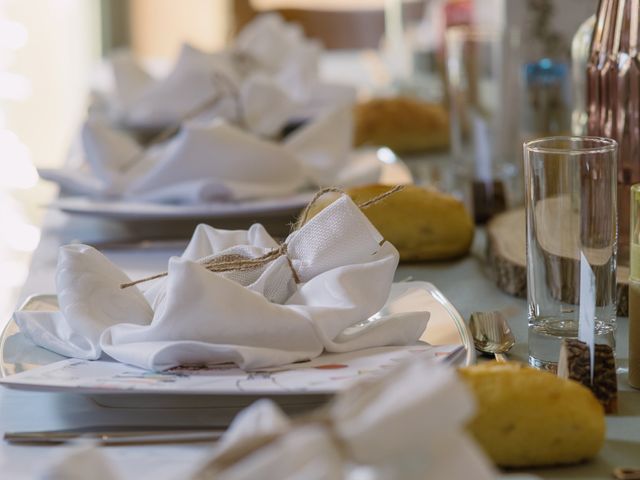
(391, 171)
(25, 366)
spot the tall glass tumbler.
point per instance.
(483, 88)
(571, 237)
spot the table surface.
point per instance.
(464, 282)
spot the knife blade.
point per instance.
(111, 436)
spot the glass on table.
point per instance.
(571, 238)
(481, 86)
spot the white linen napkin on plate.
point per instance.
(405, 424)
(267, 47)
(210, 160)
(231, 107)
(336, 273)
(276, 52)
(164, 102)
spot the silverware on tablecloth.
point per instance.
(136, 435)
(455, 355)
(114, 436)
(626, 473)
(491, 333)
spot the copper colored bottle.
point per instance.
(613, 97)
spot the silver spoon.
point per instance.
(491, 334)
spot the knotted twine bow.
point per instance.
(238, 263)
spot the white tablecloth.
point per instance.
(463, 282)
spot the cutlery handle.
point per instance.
(501, 358)
(626, 473)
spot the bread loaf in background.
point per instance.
(404, 124)
(530, 418)
(423, 224)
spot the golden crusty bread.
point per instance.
(406, 125)
(423, 224)
(527, 417)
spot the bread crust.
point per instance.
(423, 224)
(531, 418)
(404, 124)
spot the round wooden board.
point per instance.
(507, 259)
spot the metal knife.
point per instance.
(113, 436)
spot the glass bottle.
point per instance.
(613, 97)
(634, 290)
(580, 46)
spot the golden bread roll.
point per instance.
(528, 418)
(422, 224)
(405, 125)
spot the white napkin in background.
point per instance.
(225, 152)
(268, 47)
(403, 425)
(323, 145)
(272, 42)
(164, 102)
(218, 161)
(213, 160)
(107, 150)
(281, 49)
(292, 61)
(266, 106)
(257, 318)
(130, 80)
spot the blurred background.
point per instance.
(51, 53)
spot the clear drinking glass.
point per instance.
(482, 90)
(571, 220)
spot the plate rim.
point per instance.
(266, 207)
(109, 209)
(461, 326)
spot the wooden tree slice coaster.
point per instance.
(507, 260)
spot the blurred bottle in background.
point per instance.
(546, 98)
(613, 100)
(579, 58)
(414, 43)
(482, 129)
(541, 104)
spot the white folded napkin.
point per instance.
(211, 160)
(336, 271)
(268, 47)
(403, 425)
(407, 424)
(282, 49)
(196, 78)
(232, 107)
